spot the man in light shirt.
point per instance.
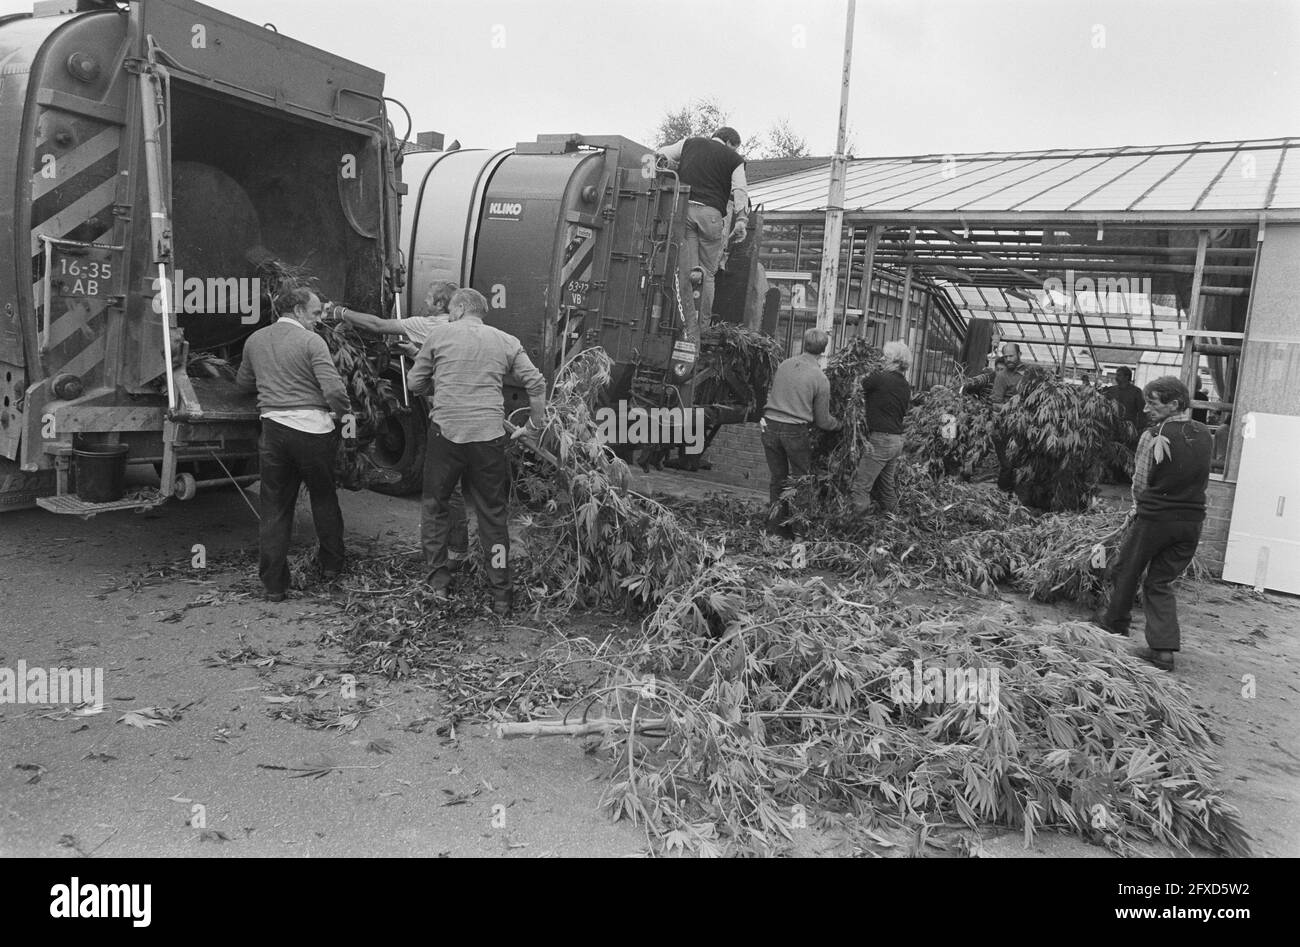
(464, 365)
(300, 396)
(415, 332)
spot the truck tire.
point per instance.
(399, 445)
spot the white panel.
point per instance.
(1264, 538)
(438, 211)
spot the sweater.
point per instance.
(290, 367)
(801, 394)
(889, 396)
(1175, 489)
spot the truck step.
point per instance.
(70, 504)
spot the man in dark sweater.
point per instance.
(800, 397)
(888, 397)
(300, 396)
(1171, 471)
(715, 173)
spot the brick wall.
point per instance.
(737, 457)
(1214, 534)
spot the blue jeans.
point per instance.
(877, 474)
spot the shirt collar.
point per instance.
(292, 321)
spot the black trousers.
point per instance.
(788, 449)
(484, 471)
(1163, 549)
(1006, 470)
(288, 459)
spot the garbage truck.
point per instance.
(573, 240)
(146, 150)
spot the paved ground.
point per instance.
(90, 784)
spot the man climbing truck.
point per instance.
(145, 149)
(714, 170)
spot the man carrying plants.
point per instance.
(888, 396)
(1171, 471)
(800, 397)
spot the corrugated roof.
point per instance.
(1236, 176)
(763, 169)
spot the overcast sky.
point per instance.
(929, 76)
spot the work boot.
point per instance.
(1099, 620)
(501, 604)
(440, 585)
(1164, 660)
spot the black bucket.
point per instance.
(101, 472)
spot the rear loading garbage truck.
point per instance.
(573, 240)
(149, 152)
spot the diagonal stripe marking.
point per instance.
(76, 161)
(74, 320)
(87, 359)
(75, 214)
(578, 258)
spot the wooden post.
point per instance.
(848, 288)
(868, 265)
(919, 356)
(1192, 358)
(904, 314)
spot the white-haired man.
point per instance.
(800, 397)
(888, 398)
(464, 364)
(415, 332)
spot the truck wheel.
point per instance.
(399, 445)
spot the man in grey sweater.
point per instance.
(800, 397)
(300, 396)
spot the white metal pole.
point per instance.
(830, 273)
